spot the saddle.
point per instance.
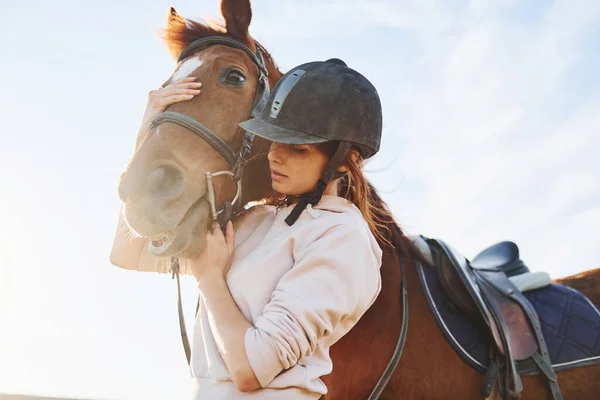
(481, 288)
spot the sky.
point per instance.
(491, 132)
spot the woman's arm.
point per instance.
(319, 299)
(228, 326)
(334, 280)
(227, 323)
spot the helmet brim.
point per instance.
(264, 129)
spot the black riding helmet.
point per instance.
(319, 102)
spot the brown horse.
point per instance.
(164, 191)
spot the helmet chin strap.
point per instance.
(330, 172)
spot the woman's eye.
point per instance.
(297, 149)
(235, 77)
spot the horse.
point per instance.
(166, 203)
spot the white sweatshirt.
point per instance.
(302, 287)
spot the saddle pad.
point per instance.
(570, 324)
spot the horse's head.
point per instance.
(164, 192)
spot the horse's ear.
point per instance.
(237, 15)
(175, 33)
(174, 20)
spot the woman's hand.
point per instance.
(214, 261)
(159, 99)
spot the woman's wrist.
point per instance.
(147, 118)
(212, 283)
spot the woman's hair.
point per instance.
(354, 187)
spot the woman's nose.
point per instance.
(275, 153)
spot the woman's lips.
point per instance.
(277, 176)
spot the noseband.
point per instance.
(235, 161)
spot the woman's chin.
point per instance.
(278, 187)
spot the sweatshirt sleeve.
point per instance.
(334, 280)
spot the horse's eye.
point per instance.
(235, 77)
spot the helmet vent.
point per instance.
(284, 90)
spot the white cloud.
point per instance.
(314, 19)
(488, 137)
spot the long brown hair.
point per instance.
(354, 187)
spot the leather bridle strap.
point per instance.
(199, 129)
(201, 44)
(262, 92)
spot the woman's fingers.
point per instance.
(186, 82)
(177, 91)
(167, 96)
(215, 228)
(182, 90)
(176, 98)
(230, 236)
(170, 91)
(182, 81)
(185, 85)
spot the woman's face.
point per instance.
(296, 168)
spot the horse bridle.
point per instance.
(237, 163)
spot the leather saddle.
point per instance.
(481, 288)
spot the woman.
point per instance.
(301, 269)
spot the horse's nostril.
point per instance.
(166, 181)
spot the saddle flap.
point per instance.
(515, 328)
(518, 331)
(455, 267)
